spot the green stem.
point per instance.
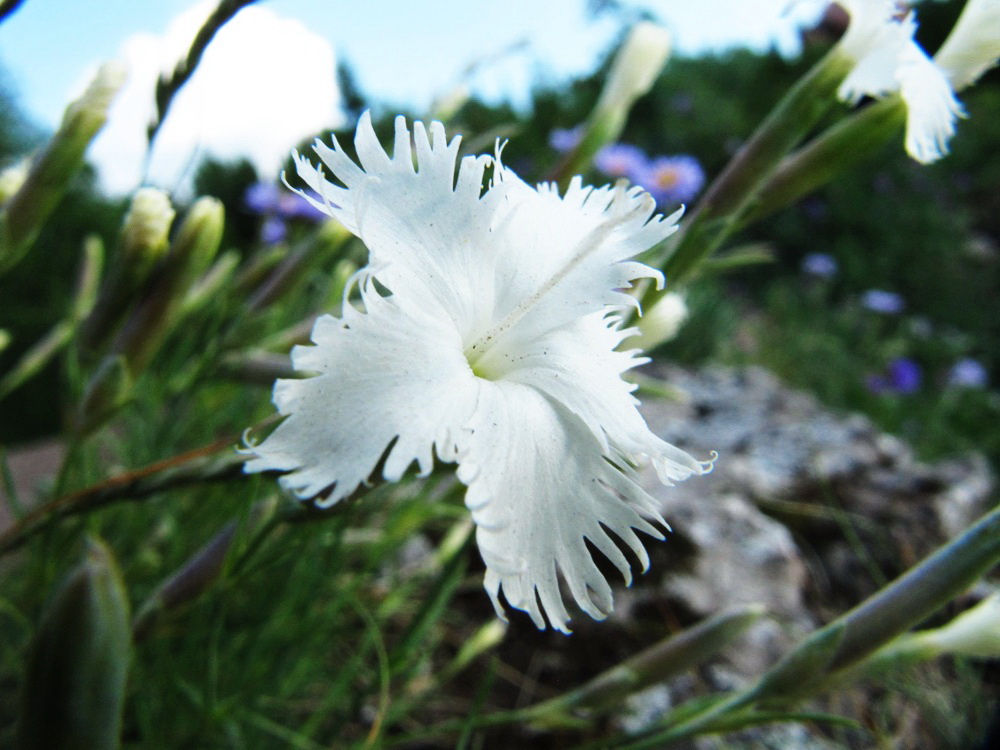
(737, 186)
(843, 145)
(194, 467)
(677, 653)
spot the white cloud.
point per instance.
(264, 83)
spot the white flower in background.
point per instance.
(973, 45)
(887, 60)
(496, 349)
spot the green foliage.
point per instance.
(325, 629)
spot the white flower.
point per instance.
(495, 350)
(973, 45)
(887, 60)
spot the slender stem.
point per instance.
(842, 146)
(167, 88)
(194, 467)
(739, 183)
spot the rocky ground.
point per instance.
(807, 512)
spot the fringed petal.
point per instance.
(539, 487)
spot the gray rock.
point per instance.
(807, 512)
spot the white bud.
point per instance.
(144, 233)
(635, 68)
(661, 322)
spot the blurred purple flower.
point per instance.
(820, 264)
(294, 206)
(277, 205)
(273, 230)
(682, 103)
(881, 301)
(673, 179)
(563, 140)
(623, 160)
(262, 197)
(968, 373)
(904, 376)
(268, 199)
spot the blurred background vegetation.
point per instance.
(310, 625)
(927, 234)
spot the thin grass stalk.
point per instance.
(167, 87)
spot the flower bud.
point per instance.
(55, 166)
(661, 322)
(74, 685)
(143, 241)
(191, 253)
(197, 242)
(638, 62)
(973, 45)
(4, 339)
(635, 67)
(144, 232)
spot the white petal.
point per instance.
(889, 60)
(973, 45)
(876, 46)
(485, 260)
(382, 376)
(567, 257)
(931, 106)
(873, 24)
(420, 225)
(578, 366)
(539, 485)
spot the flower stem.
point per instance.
(739, 184)
(843, 145)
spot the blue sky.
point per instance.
(403, 51)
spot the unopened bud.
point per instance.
(191, 253)
(74, 685)
(146, 226)
(636, 66)
(143, 242)
(55, 166)
(660, 323)
(197, 242)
